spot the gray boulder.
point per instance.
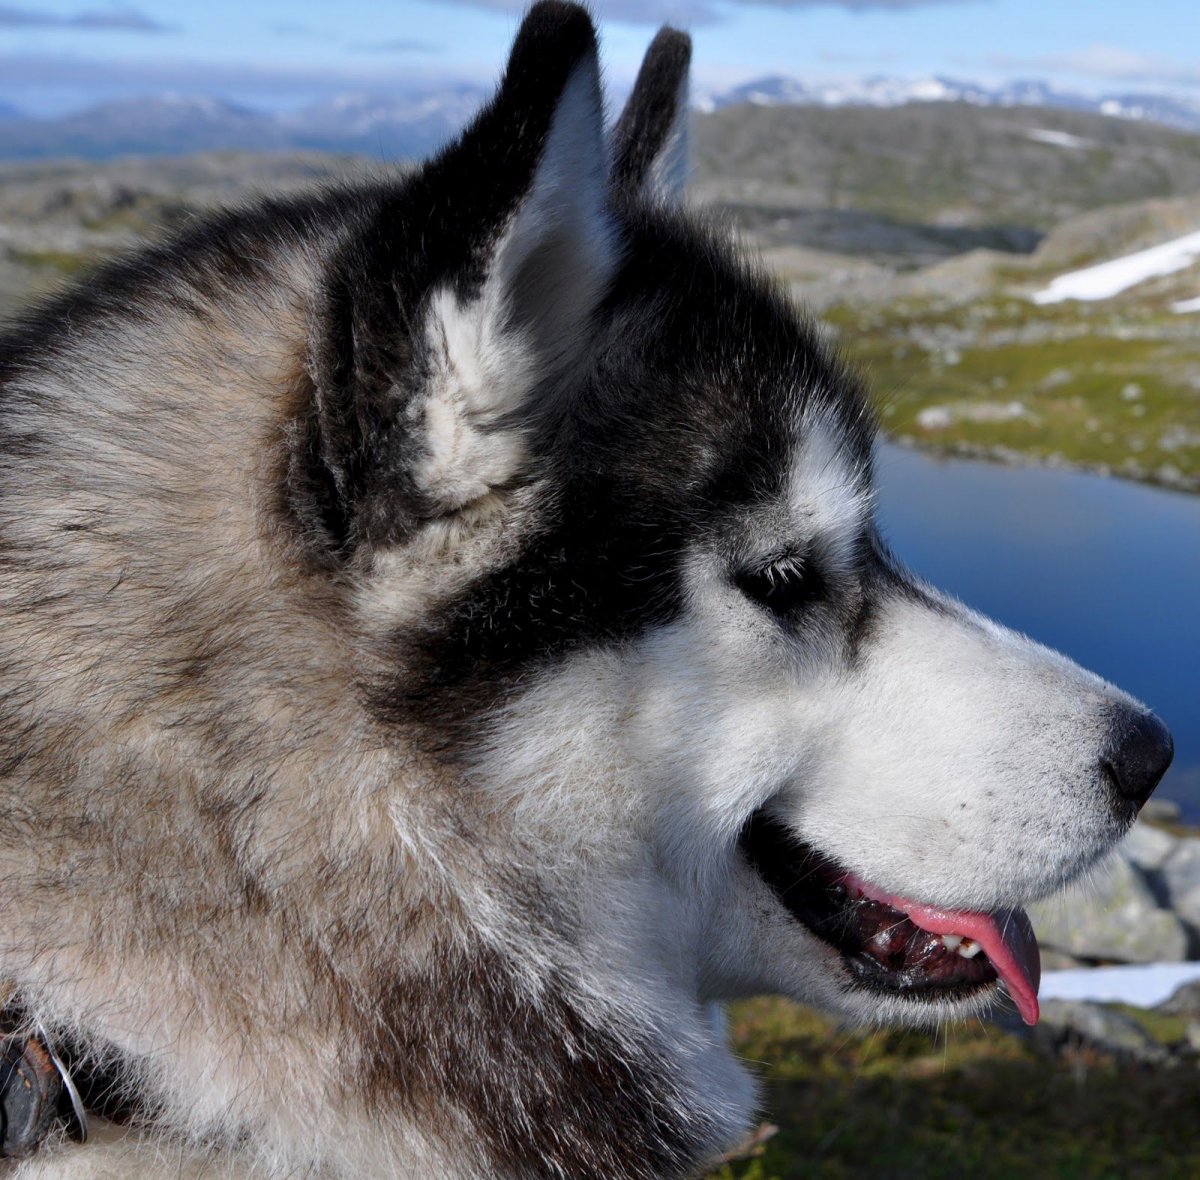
(1183, 1001)
(1113, 917)
(1148, 848)
(1066, 1022)
(1163, 811)
(1178, 877)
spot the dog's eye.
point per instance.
(783, 587)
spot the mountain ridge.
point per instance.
(412, 125)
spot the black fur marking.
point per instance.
(693, 406)
(650, 115)
(860, 627)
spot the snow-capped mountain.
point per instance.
(364, 114)
(883, 91)
(774, 90)
(185, 115)
(1154, 108)
(388, 126)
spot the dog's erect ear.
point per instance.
(650, 142)
(473, 285)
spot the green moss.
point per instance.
(755, 1169)
(972, 1101)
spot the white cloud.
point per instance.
(107, 20)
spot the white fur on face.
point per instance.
(828, 499)
(948, 759)
(961, 763)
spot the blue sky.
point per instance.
(56, 55)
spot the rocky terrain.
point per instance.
(1002, 177)
(57, 219)
(964, 361)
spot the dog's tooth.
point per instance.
(969, 948)
(952, 941)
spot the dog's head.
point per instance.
(446, 632)
(607, 501)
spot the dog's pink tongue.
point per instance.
(1006, 937)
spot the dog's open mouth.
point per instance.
(892, 944)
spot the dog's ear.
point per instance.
(650, 142)
(471, 286)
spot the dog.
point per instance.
(445, 646)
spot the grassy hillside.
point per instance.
(942, 164)
(975, 1101)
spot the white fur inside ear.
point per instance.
(549, 269)
(478, 374)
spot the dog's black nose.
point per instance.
(1139, 754)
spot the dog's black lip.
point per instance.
(1126, 810)
(884, 951)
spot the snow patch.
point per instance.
(1111, 278)
(939, 417)
(1063, 139)
(1186, 305)
(1145, 985)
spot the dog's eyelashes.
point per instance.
(784, 588)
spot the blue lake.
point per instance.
(1102, 569)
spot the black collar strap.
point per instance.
(36, 1093)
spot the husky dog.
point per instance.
(445, 646)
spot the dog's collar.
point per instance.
(37, 1092)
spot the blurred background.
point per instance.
(994, 207)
